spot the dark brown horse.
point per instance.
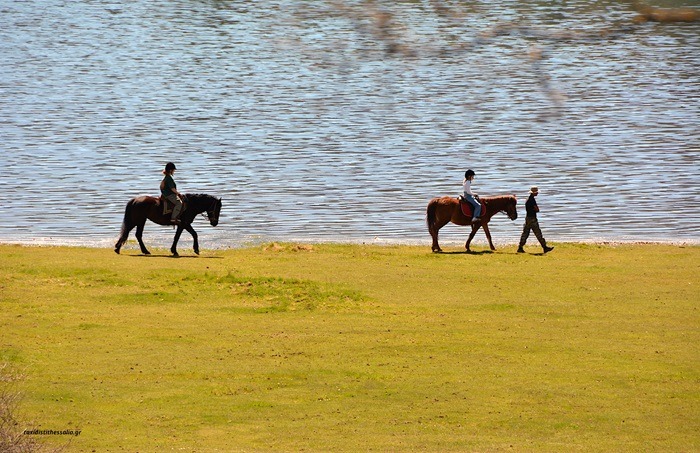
(141, 208)
(443, 210)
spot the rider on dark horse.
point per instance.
(145, 207)
(168, 191)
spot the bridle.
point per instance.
(209, 213)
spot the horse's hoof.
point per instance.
(196, 252)
(116, 251)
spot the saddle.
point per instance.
(468, 209)
(169, 205)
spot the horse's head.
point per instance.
(214, 211)
(511, 207)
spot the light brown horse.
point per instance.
(443, 210)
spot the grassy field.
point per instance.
(349, 347)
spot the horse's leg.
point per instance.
(190, 230)
(434, 234)
(139, 236)
(439, 223)
(475, 228)
(122, 239)
(488, 235)
(173, 249)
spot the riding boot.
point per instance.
(543, 243)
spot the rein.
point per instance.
(212, 207)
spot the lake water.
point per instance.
(311, 130)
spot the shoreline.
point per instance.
(132, 245)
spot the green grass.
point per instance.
(348, 347)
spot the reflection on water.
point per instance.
(310, 131)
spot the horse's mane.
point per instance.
(499, 198)
(200, 200)
(198, 195)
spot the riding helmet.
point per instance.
(170, 166)
(469, 173)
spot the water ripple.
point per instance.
(308, 132)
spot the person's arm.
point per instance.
(174, 190)
(467, 187)
(173, 187)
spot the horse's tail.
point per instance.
(127, 216)
(126, 226)
(431, 217)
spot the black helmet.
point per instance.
(469, 173)
(170, 166)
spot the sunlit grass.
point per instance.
(346, 348)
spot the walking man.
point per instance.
(531, 223)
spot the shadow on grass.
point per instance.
(175, 256)
(464, 252)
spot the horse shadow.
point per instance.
(465, 252)
(481, 252)
(177, 256)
